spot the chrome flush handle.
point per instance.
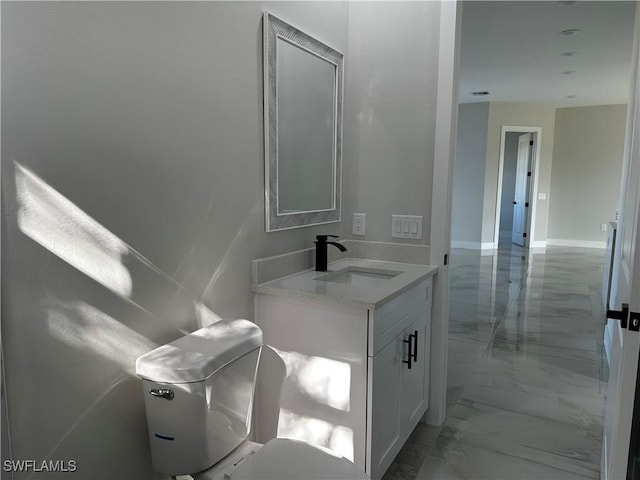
(165, 393)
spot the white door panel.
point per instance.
(625, 290)
(521, 196)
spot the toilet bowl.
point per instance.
(198, 393)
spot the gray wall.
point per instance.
(527, 115)
(468, 174)
(390, 90)
(475, 185)
(587, 163)
(136, 129)
(580, 164)
(509, 168)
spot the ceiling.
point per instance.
(514, 50)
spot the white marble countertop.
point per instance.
(306, 285)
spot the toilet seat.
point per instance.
(284, 459)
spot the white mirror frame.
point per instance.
(274, 28)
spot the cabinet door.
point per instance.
(399, 396)
(415, 380)
(385, 407)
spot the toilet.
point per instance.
(198, 395)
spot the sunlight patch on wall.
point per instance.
(336, 438)
(65, 230)
(204, 315)
(325, 380)
(228, 256)
(90, 330)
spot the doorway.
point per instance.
(517, 185)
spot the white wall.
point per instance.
(391, 102)
(587, 162)
(147, 118)
(389, 125)
(468, 174)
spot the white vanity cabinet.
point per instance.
(349, 385)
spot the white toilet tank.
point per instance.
(198, 394)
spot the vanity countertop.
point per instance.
(308, 285)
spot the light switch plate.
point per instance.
(406, 226)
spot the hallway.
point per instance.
(526, 377)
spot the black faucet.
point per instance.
(321, 251)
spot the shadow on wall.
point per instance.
(80, 306)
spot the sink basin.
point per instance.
(360, 276)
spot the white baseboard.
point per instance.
(539, 244)
(564, 242)
(466, 245)
(473, 245)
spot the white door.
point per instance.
(625, 289)
(521, 197)
(625, 343)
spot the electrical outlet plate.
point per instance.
(406, 226)
(359, 223)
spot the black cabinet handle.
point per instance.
(415, 345)
(409, 356)
(413, 348)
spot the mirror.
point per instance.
(303, 127)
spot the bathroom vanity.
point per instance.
(354, 343)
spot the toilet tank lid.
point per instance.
(194, 357)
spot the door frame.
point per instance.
(446, 127)
(533, 193)
(444, 152)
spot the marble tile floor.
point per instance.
(526, 372)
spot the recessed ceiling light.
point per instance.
(570, 31)
(568, 72)
(572, 96)
(481, 93)
(569, 54)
